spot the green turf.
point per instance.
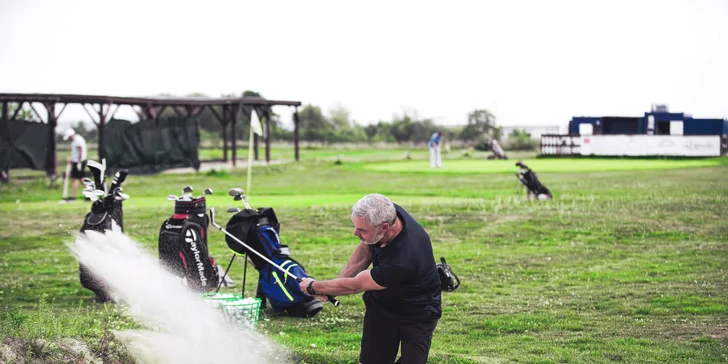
(627, 264)
(544, 165)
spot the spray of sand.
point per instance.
(185, 328)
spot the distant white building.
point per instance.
(535, 130)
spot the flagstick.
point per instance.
(250, 161)
(255, 128)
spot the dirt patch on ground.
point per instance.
(20, 351)
(684, 329)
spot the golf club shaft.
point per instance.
(65, 180)
(331, 298)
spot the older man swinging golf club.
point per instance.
(402, 289)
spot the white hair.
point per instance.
(376, 209)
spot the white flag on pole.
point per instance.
(255, 123)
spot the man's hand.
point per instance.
(304, 285)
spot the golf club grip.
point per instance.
(331, 298)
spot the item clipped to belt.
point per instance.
(448, 279)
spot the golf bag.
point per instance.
(259, 229)
(183, 245)
(498, 152)
(448, 279)
(533, 186)
(106, 214)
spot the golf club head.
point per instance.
(97, 170)
(237, 198)
(187, 190)
(87, 180)
(172, 198)
(122, 197)
(235, 192)
(90, 195)
(207, 191)
(233, 209)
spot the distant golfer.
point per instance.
(77, 160)
(402, 289)
(434, 143)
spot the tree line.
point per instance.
(337, 126)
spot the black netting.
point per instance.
(23, 144)
(151, 146)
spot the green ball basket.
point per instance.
(241, 311)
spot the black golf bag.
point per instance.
(183, 245)
(448, 279)
(106, 214)
(259, 229)
(533, 186)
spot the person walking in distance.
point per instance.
(77, 159)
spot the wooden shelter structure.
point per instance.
(101, 109)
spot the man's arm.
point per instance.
(343, 286)
(359, 260)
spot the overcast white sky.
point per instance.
(531, 62)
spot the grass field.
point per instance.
(627, 264)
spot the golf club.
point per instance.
(119, 178)
(65, 180)
(98, 170)
(122, 197)
(331, 299)
(239, 195)
(207, 191)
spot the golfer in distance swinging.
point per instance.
(402, 291)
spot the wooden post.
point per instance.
(5, 174)
(267, 137)
(296, 122)
(233, 120)
(51, 168)
(101, 127)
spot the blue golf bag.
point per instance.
(259, 229)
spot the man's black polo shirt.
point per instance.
(406, 266)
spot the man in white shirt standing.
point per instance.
(435, 142)
(77, 160)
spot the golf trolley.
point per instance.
(528, 179)
(498, 152)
